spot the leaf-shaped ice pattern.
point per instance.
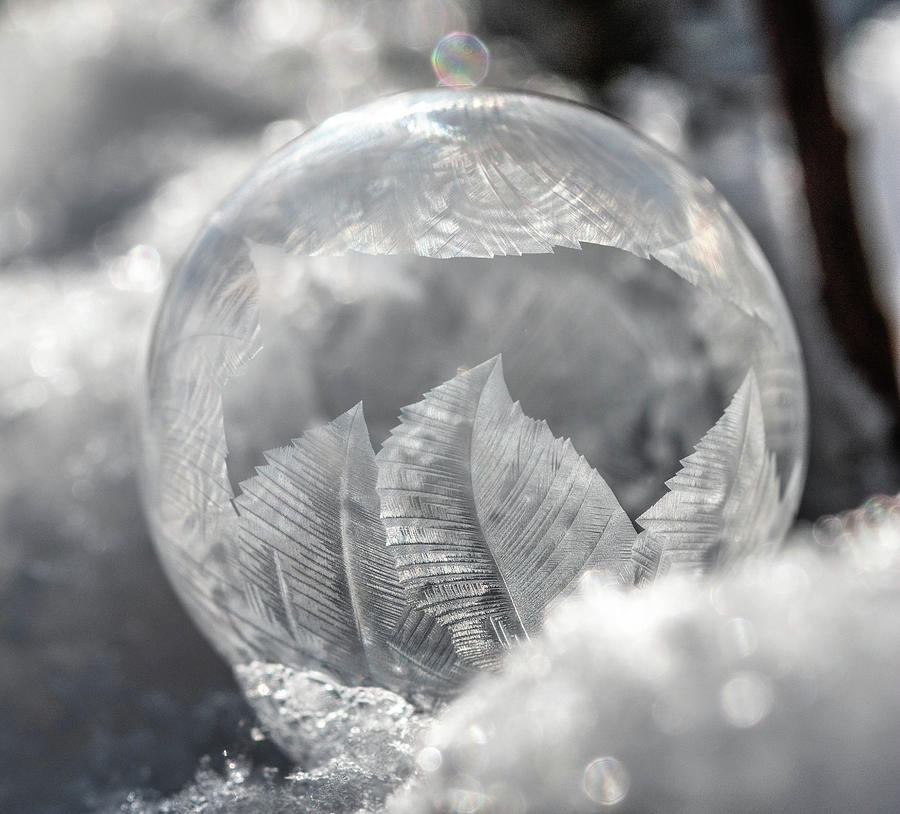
(313, 549)
(490, 517)
(721, 504)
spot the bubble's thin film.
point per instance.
(460, 60)
(606, 781)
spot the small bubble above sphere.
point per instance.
(460, 60)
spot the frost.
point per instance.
(353, 747)
(341, 789)
(504, 174)
(313, 553)
(722, 503)
(452, 543)
(491, 517)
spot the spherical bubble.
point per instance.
(606, 781)
(415, 245)
(460, 60)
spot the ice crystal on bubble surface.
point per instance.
(438, 554)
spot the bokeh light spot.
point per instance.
(460, 60)
(746, 699)
(739, 638)
(138, 270)
(429, 759)
(606, 781)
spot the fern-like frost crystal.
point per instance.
(408, 568)
(722, 503)
(318, 571)
(490, 516)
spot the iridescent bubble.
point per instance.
(460, 60)
(606, 781)
(827, 529)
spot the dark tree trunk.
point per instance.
(795, 40)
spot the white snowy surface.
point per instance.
(773, 690)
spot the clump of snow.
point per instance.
(236, 792)
(320, 722)
(772, 690)
(354, 746)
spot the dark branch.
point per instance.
(794, 34)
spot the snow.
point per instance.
(772, 690)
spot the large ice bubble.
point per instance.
(522, 260)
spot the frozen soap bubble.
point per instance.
(520, 260)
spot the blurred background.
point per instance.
(124, 122)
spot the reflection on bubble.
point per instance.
(460, 60)
(606, 781)
(746, 699)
